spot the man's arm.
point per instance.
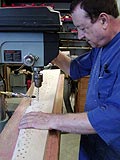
(73, 123)
(63, 62)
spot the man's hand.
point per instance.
(38, 120)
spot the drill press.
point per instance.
(29, 36)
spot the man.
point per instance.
(97, 21)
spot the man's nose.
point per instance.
(80, 35)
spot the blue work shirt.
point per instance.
(102, 99)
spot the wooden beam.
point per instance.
(53, 141)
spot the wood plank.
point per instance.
(81, 94)
(9, 135)
(53, 141)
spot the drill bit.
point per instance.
(18, 95)
(38, 94)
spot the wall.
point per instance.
(118, 1)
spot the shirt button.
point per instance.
(103, 107)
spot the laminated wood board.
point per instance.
(29, 144)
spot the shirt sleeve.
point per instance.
(81, 66)
(105, 119)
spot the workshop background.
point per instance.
(15, 80)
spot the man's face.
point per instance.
(93, 33)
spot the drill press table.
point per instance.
(10, 140)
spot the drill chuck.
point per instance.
(37, 77)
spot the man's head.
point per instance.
(94, 20)
(93, 8)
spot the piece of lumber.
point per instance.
(81, 94)
(10, 135)
(53, 141)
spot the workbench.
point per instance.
(10, 133)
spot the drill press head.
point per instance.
(29, 35)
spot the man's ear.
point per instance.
(104, 20)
